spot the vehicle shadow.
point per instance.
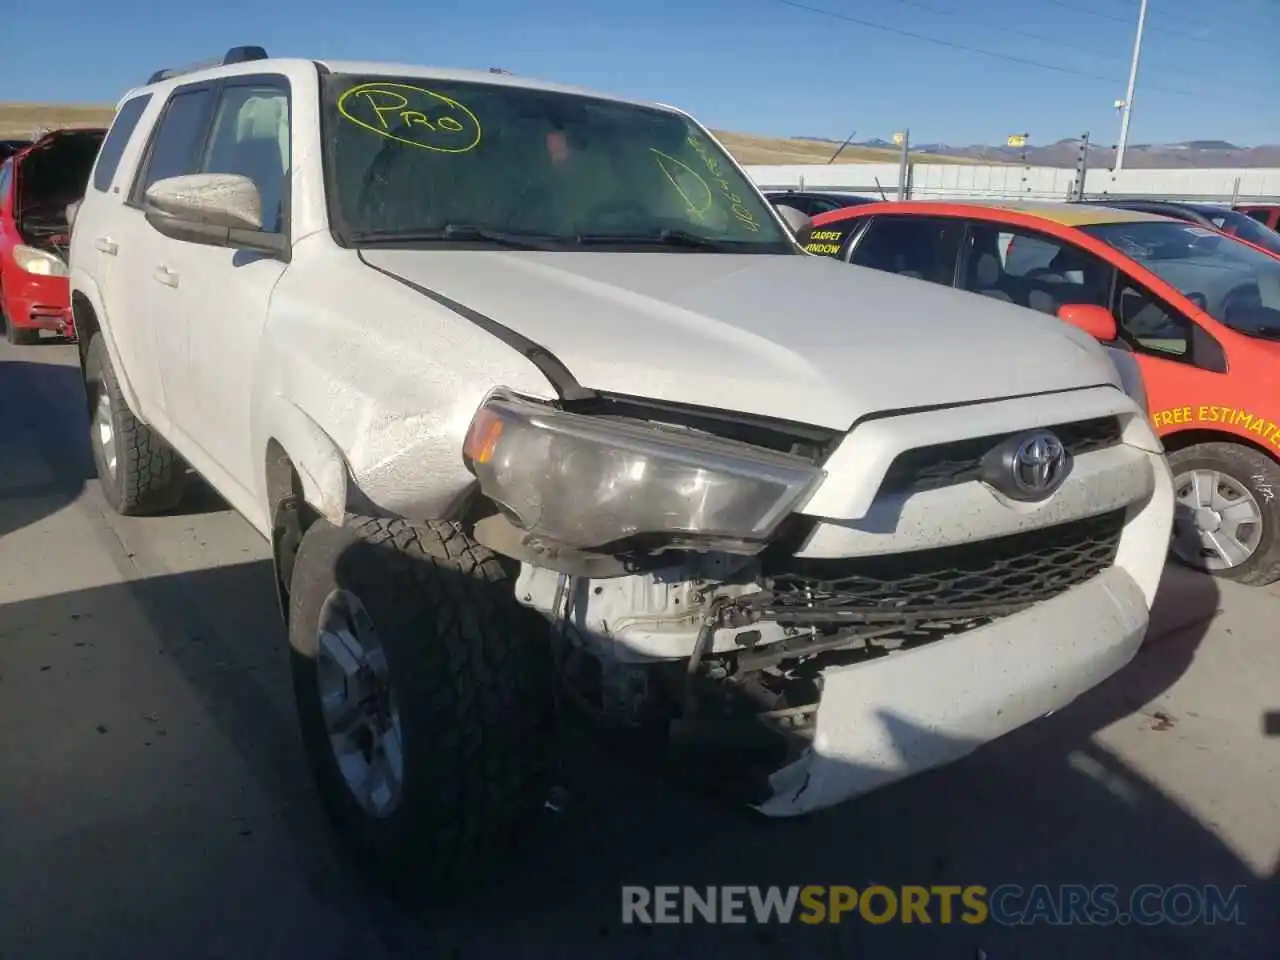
(1271, 728)
(168, 810)
(45, 460)
(198, 498)
(43, 466)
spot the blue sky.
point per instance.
(1209, 70)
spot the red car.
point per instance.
(1267, 214)
(1198, 310)
(37, 184)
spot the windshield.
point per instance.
(415, 160)
(1232, 282)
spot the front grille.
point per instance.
(987, 578)
(945, 464)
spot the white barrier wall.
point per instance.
(938, 181)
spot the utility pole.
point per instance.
(903, 139)
(1082, 166)
(1127, 110)
(1020, 140)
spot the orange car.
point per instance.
(1199, 310)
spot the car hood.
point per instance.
(799, 338)
(53, 170)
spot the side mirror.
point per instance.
(216, 209)
(1092, 319)
(795, 219)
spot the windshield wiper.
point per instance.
(459, 232)
(663, 238)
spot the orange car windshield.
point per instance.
(1234, 283)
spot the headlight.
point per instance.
(588, 481)
(39, 262)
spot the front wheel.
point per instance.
(424, 696)
(1227, 512)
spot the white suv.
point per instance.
(479, 354)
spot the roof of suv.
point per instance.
(465, 75)
(389, 69)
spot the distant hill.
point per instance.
(752, 149)
(22, 120)
(1191, 154)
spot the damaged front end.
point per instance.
(49, 178)
(729, 657)
(724, 634)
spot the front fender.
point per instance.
(1199, 423)
(319, 463)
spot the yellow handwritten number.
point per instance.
(426, 120)
(736, 207)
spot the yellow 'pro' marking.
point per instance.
(457, 130)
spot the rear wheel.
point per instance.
(1227, 516)
(424, 696)
(139, 471)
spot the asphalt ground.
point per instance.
(154, 800)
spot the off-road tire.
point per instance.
(470, 673)
(1261, 476)
(149, 476)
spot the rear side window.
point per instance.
(1033, 270)
(1024, 253)
(925, 248)
(4, 181)
(178, 141)
(251, 137)
(117, 139)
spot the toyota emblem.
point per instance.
(1039, 464)
(1028, 467)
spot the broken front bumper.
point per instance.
(895, 716)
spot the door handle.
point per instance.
(166, 276)
(106, 245)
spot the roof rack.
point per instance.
(234, 55)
